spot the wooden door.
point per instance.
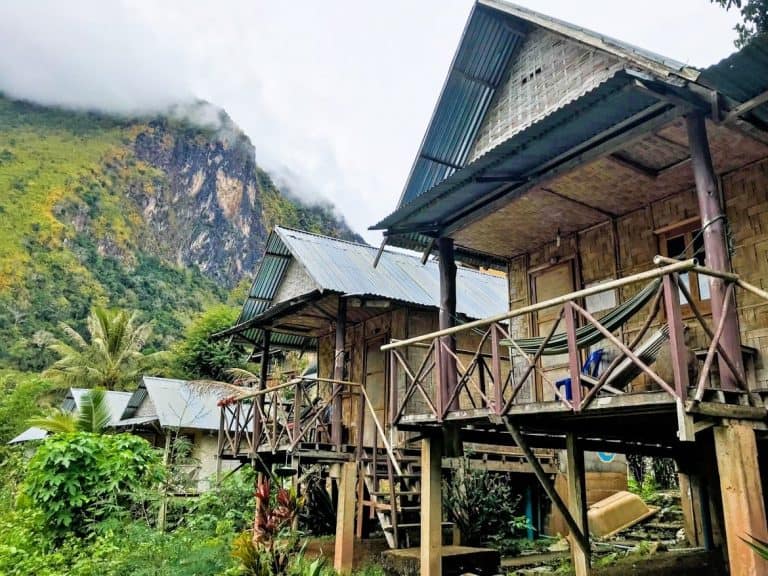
(546, 284)
(375, 383)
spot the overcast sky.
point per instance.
(336, 93)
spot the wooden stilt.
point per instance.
(345, 519)
(742, 494)
(577, 503)
(338, 371)
(431, 506)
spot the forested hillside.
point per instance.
(158, 215)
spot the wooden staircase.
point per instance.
(395, 497)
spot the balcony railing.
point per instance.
(432, 381)
(282, 417)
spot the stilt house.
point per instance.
(625, 195)
(322, 294)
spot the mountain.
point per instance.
(159, 214)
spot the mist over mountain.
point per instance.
(164, 214)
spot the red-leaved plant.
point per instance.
(273, 540)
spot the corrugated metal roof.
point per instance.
(478, 66)
(179, 405)
(521, 157)
(33, 433)
(743, 76)
(595, 39)
(494, 30)
(265, 283)
(346, 268)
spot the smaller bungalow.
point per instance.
(162, 408)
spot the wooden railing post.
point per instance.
(438, 380)
(498, 386)
(677, 346)
(297, 400)
(394, 409)
(574, 358)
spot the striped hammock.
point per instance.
(588, 335)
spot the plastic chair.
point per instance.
(591, 368)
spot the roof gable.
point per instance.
(492, 45)
(343, 267)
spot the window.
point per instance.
(686, 241)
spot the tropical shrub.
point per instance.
(484, 505)
(78, 479)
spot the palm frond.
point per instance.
(241, 376)
(217, 388)
(758, 545)
(94, 413)
(56, 422)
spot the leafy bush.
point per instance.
(484, 505)
(199, 356)
(79, 479)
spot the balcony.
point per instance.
(433, 384)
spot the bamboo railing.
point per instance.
(490, 381)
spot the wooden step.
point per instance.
(413, 526)
(383, 506)
(397, 493)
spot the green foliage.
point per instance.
(111, 357)
(93, 416)
(22, 396)
(484, 505)
(199, 356)
(224, 502)
(80, 479)
(754, 14)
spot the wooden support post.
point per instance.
(742, 494)
(261, 385)
(679, 357)
(431, 506)
(715, 244)
(447, 319)
(574, 358)
(577, 503)
(345, 519)
(338, 371)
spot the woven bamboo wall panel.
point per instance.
(596, 247)
(746, 205)
(547, 73)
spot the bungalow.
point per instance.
(625, 197)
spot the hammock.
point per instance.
(588, 335)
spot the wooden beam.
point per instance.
(431, 506)
(577, 503)
(636, 167)
(600, 211)
(546, 484)
(742, 495)
(345, 519)
(746, 106)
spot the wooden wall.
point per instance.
(626, 245)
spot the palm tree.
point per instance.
(93, 416)
(110, 358)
